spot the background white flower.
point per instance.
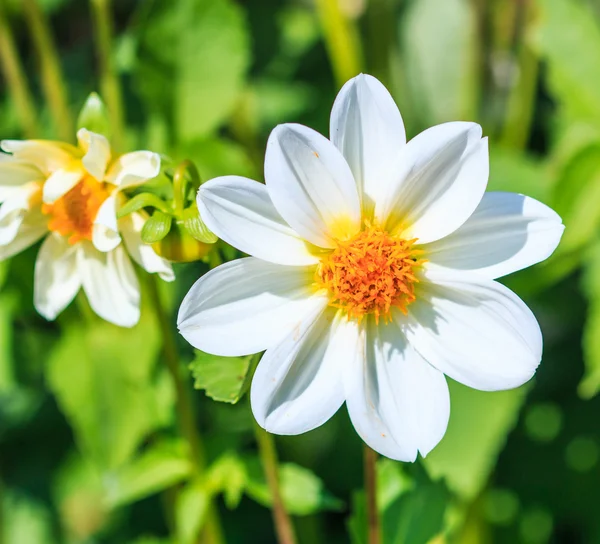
(372, 274)
(72, 194)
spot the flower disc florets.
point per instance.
(370, 273)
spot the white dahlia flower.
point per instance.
(371, 274)
(70, 195)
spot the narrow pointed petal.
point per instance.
(311, 185)
(133, 169)
(239, 211)
(110, 284)
(105, 232)
(298, 383)
(398, 403)
(478, 332)
(57, 280)
(246, 306)
(507, 232)
(443, 176)
(46, 155)
(97, 152)
(143, 254)
(366, 126)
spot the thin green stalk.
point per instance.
(268, 454)
(109, 79)
(341, 39)
(370, 469)
(52, 76)
(15, 79)
(184, 406)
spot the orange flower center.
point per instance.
(371, 273)
(73, 214)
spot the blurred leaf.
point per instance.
(25, 520)
(357, 522)
(195, 226)
(228, 474)
(392, 482)
(142, 200)
(590, 383)
(93, 116)
(568, 40)
(302, 491)
(156, 227)
(219, 157)
(161, 466)
(481, 420)
(213, 57)
(279, 102)
(440, 50)
(190, 511)
(223, 378)
(101, 377)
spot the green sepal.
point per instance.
(94, 116)
(196, 227)
(156, 227)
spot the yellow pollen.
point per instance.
(73, 214)
(371, 273)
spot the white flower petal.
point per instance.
(97, 152)
(246, 306)
(298, 383)
(133, 169)
(240, 211)
(14, 210)
(143, 254)
(46, 155)
(366, 126)
(444, 173)
(62, 181)
(105, 231)
(14, 174)
(33, 227)
(478, 332)
(311, 185)
(110, 283)
(507, 232)
(56, 276)
(398, 403)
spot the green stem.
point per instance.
(268, 454)
(370, 469)
(184, 406)
(52, 77)
(109, 79)
(15, 79)
(341, 39)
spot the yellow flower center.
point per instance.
(371, 273)
(73, 214)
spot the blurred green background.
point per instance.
(89, 451)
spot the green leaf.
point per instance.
(163, 465)
(482, 420)
(212, 61)
(441, 51)
(228, 475)
(568, 40)
(195, 226)
(25, 520)
(156, 227)
(93, 116)
(142, 200)
(190, 511)
(302, 491)
(102, 379)
(223, 378)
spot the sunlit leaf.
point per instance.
(223, 378)
(190, 511)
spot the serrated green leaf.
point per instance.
(482, 420)
(302, 491)
(142, 200)
(223, 378)
(161, 466)
(156, 227)
(190, 511)
(93, 116)
(195, 226)
(212, 61)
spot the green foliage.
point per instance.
(223, 378)
(25, 520)
(93, 116)
(156, 227)
(195, 226)
(140, 201)
(190, 511)
(590, 384)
